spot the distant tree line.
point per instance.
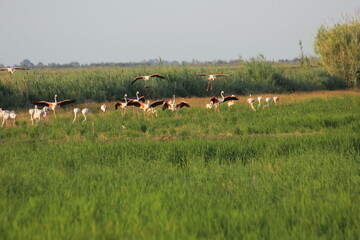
(145, 63)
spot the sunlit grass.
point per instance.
(285, 172)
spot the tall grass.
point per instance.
(108, 84)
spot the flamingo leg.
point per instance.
(207, 88)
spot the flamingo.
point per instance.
(218, 101)
(32, 113)
(211, 78)
(84, 112)
(103, 108)
(46, 109)
(209, 105)
(13, 116)
(147, 78)
(37, 115)
(54, 104)
(141, 99)
(173, 106)
(122, 105)
(251, 103)
(230, 103)
(267, 100)
(5, 114)
(276, 99)
(259, 100)
(76, 112)
(13, 69)
(147, 107)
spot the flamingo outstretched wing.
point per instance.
(182, 104)
(229, 98)
(157, 103)
(157, 75)
(65, 102)
(43, 103)
(137, 78)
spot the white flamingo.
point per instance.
(259, 100)
(103, 108)
(13, 116)
(76, 112)
(251, 103)
(209, 105)
(267, 100)
(35, 113)
(84, 112)
(5, 114)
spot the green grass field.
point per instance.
(285, 172)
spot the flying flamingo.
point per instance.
(211, 78)
(147, 78)
(218, 101)
(54, 104)
(13, 69)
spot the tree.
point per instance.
(339, 50)
(26, 63)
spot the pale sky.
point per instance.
(93, 31)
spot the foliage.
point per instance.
(108, 84)
(339, 50)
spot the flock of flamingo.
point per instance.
(36, 114)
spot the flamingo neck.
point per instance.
(222, 95)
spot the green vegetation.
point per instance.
(339, 50)
(284, 172)
(256, 75)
